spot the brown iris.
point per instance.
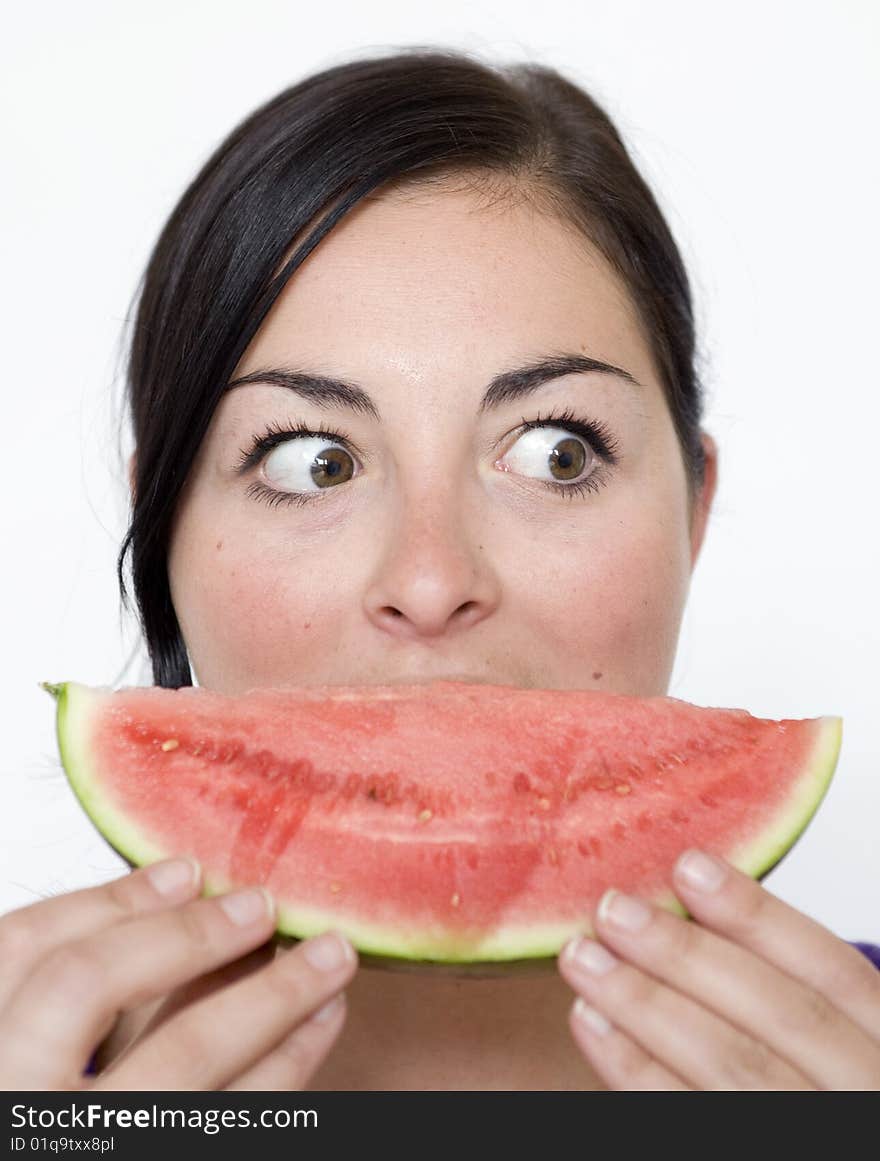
(568, 456)
(331, 465)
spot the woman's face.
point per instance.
(431, 545)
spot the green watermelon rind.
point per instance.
(75, 702)
(532, 947)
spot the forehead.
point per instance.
(433, 282)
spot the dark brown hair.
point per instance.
(304, 159)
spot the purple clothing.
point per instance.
(871, 950)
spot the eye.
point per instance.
(302, 462)
(570, 451)
(308, 464)
(301, 459)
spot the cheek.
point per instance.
(613, 603)
(645, 594)
(252, 616)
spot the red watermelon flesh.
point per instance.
(471, 826)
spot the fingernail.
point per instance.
(623, 911)
(591, 956)
(700, 871)
(249, 906)
(325, 1014)
(328, 952)
(174, 876)
(594, 1020)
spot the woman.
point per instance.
(462, 442)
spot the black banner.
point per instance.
(390, 1124)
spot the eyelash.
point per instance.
(594, 433)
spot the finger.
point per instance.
(288, 1067)
(789, 1017)
(213, 1041)
(206, 985)
(743, 911)
(704, 1050)
(145, 1019)
(618, 1060)
(28, 934)
(71, 999)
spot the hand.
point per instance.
(752, 995)
(73, 963)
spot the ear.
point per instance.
(703, 502)
(132, 468)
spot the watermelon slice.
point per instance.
(471, 828)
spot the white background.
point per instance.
(755, 124)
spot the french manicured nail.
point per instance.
(623, 911)
(594, 1020)
(700, 871)
(590, 956)
(328, 952)
(174, 876)
(249, 906)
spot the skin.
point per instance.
(435, 561)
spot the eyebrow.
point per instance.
(506, 387)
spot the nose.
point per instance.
(432, 577)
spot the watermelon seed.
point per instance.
(425, 815)
(552, 856)
(681, 761)
(623, 788)
(335, 888)
(171, 744)
(544, 803)
(455, 900)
